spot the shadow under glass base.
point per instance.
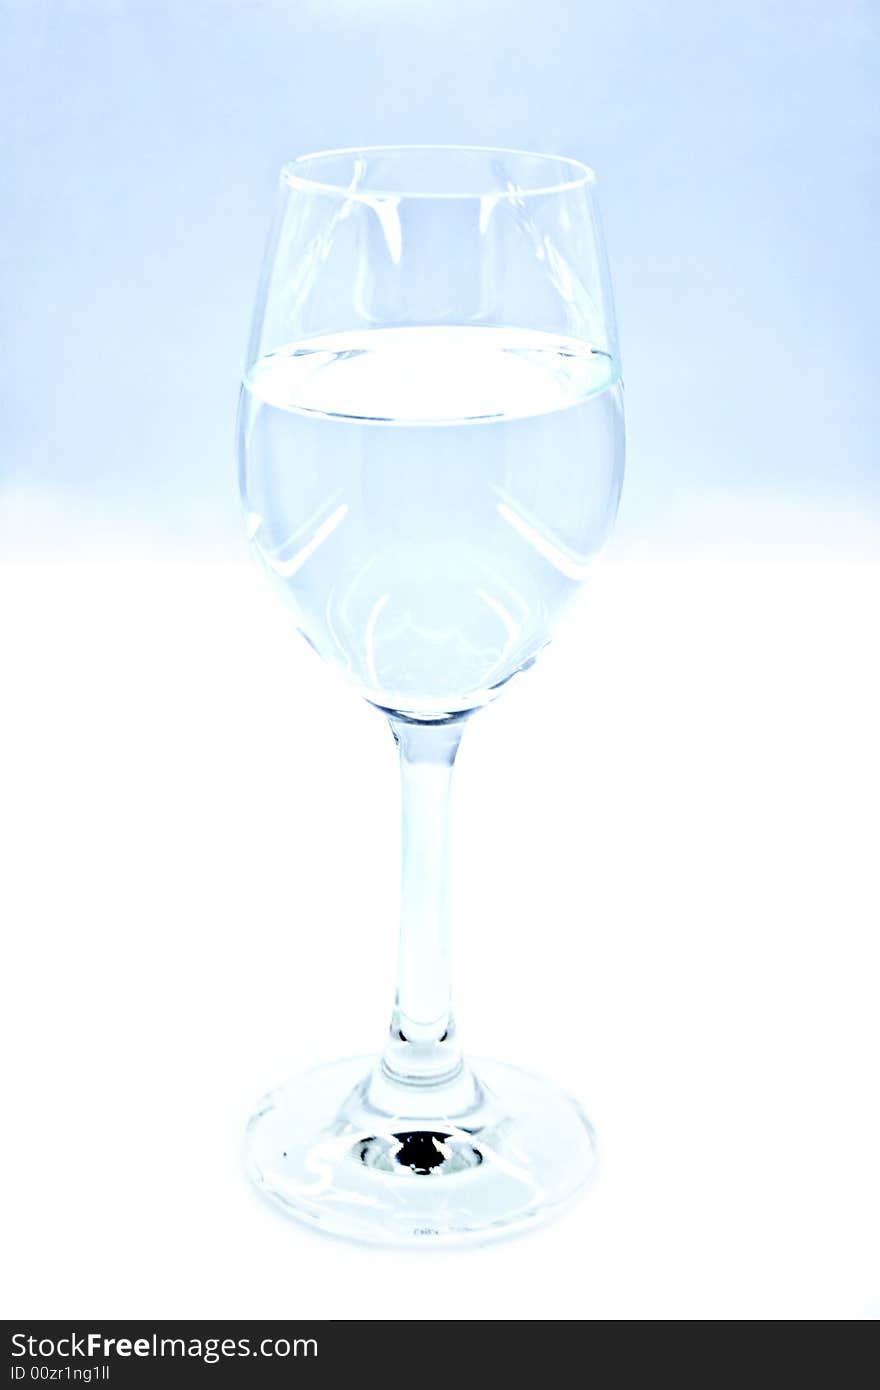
(354, 1151)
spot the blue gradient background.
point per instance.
(735, 145)
(665, 838)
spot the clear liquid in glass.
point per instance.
(428, 499)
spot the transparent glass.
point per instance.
(431, 454)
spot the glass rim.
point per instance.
(581, 174)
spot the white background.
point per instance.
(666, 835)
(666, 898)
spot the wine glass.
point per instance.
(431, 452)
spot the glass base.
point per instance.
(357, 1151)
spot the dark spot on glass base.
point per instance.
(421, 1151)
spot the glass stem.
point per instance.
(421, 1047)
